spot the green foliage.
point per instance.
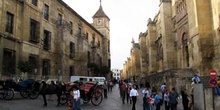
(24, 66)
(104, 70)
(99, 69)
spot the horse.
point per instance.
(45, 89)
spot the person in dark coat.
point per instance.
(185, 100)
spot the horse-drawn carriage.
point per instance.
(89, 91)
(27, 88)
(6, 92)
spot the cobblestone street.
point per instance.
(113, 102)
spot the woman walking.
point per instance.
(185, 100)
(133, 95)
(166, 100)
(146, 104)
(152, 102)
(76, 98)
(158, 100)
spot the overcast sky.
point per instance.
(127, 19)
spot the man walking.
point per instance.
(123, 87)
(134, 94)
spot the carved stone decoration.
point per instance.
(159, 48)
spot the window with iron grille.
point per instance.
(46, 67)
(59, 20)
(9, 22)
(33, 60)
(47, 40)
(46, 12)
(79, 32)
(87, 35)
(34, 2)
(72, 71)
(71, 28)
(8, 65)
(34, 31)
(72, 50)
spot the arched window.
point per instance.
(185, 49)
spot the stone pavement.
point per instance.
(113, 102)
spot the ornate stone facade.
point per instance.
(50, 35)
(182, 40)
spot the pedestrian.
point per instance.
(154, 90)
(134, 94)
(185, 100)
(163, 88)
(146, 91)
(196, 79)
(123, 91)
(158, 100)
(110, 85)
(173, 99)
(152, 102)
(166, 100)
(120, 83)
(105, 89)
(76, 98)
(146, 102)
(128, 93)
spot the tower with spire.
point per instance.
(101, 23)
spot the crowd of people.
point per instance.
(154, 98)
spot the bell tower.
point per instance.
(101, 23)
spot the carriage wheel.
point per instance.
(63, 99)
(33, 94)
(8, 94)
(96, 98)
(24, 93)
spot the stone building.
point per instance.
(53, 38)
(116, 74)
(132, 67)
(182, 40)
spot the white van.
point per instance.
(101, 80)
(80, 78)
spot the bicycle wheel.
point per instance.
(8, 94)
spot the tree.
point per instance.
(104, 70)
(99, 70)
(24, 66)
